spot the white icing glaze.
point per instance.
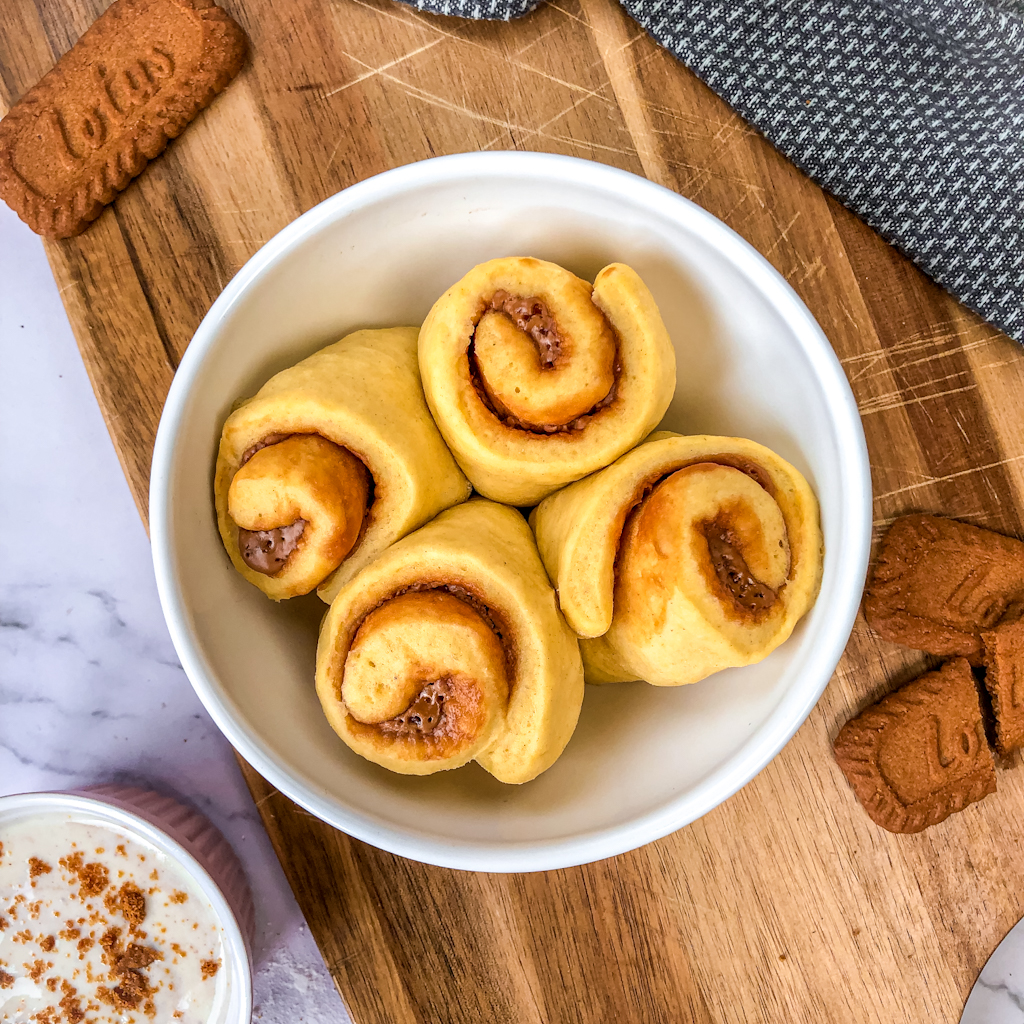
(59, 908)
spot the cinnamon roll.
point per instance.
(334, 459)
(686, 556)
(450, 648)
(537, 378)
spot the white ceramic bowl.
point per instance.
(644, 761)
(183, 836)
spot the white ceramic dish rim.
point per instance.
(853, 544)
(74, 803)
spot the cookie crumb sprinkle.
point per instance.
(37, 867)
(133, 903)
(96, 950)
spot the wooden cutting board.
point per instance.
(784, 904)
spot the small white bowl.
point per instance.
(186, 838)
(752, 362)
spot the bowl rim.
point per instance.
(77, 802)
(851, 550)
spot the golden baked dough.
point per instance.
(450, 648)
(536, 378)
(685, 556)
(299, 506)
(334, 459)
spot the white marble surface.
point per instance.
(998, 995)
(90, 687)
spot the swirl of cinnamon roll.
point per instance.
(685, 556)
(450, 648)
(334, 459)
(537, 378)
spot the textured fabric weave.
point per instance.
(911, 112)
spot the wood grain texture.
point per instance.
(786, 903)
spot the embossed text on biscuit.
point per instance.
(135, 80)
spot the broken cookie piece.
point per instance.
(1004, 680)
(920, 753)
(939, 584)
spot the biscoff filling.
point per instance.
(733, 573)
(466, 596)
(267, 551)
(747, 592)
(532, 316)
(266, 442)
(426, 713)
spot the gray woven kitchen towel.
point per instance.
(911, 112)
